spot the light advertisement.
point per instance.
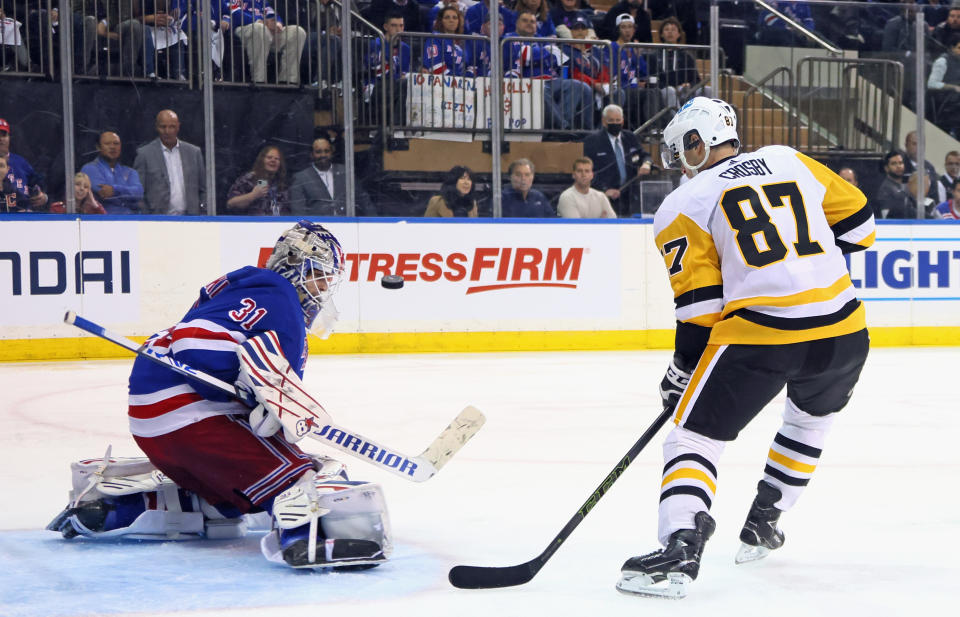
(910, 276)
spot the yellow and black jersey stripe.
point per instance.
(845, 206)
(758, 257)
(694, 266)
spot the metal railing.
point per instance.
(796, 26)
(665, 77)
(764, 110)
(852, 105)
(446, 86)
(368, 102)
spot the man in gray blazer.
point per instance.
(320, 190)
(171, 171)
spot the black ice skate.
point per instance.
(90, 516)
(667, 572)
(760, 533)
(339, 554)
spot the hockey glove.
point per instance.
(282, 400)
(674, 382)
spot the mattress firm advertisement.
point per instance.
(137, 276)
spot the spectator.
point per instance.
(13, 53)
(675, 69)
(588, 63)
(123, 34)
(327, 39)
(772, 30)
(256, 23)
(165, 23)
(86, 202)
(520, 199)
(568, 103)
(219, 15)
(42, 24)
(951, 173)
(478, 52)
(935, 12)
(891, 199)
(321, 189)
(395, 67)
(849, 175)
(24, 180)
(461, 5)
(929, 203)
(950, 208)
(617, 157)
(910, 146)
(171, 171)
(580, 201)
(442, 56)
(545, 27)
(899, 34)
(944, 88)
(565, 11)
(633, 95)
(478, 16)
(13, 201)
(117, 187)
(947, 31)
(608, 27)
(457, 195)
(262, 191)
(408, 9)
(686, 13)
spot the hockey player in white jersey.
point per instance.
(754, 245)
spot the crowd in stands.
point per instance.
(585, 85)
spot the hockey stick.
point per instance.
(487, 577)
(416, 468)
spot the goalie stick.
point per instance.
(415, 468)
(488, 577)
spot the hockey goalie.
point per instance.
(214, 467)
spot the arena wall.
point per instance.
(470, 286)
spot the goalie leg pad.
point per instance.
(145, 505)
(324, 523)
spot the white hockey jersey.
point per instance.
(754, 249)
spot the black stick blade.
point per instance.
(478, 577)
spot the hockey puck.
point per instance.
(392, 281)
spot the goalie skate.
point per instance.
(666, 573)
(339, 554)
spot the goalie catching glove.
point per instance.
(675, 381)
(282, 401)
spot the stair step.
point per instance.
(741, 100)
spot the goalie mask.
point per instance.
(310, 257)
(701, 120)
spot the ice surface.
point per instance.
(875, 533)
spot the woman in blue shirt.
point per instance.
(445, 56)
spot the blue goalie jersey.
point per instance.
(231, 309)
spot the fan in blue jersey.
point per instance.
(214, 468)
(445, 56)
